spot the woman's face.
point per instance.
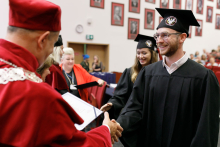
(68, 62)
(45, 73)
(95, 59)
(144, 56)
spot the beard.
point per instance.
(172, 50)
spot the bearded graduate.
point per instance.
(174, 102)
(145, 55)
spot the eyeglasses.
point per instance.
(164, 35)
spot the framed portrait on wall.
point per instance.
(199, 29)
(218, 4)
(189, 5)
(199, 6)
(164, 4)
(117, 15)
(134, 6)
(133, 28)
(97, 3)
(150, 1)
(177, 4)
(209, 14)
(190, 31)
(149, 18)
(217, 22)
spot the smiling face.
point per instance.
(144, 56)
(68, 62)
(169, 46)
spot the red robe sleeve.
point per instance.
(36, 115)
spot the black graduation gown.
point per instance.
(121, 93)
(177, 110)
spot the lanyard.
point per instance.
(68, 77)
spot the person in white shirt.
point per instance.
(212, 62)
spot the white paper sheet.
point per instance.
(83, 109)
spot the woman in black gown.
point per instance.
(145, 55)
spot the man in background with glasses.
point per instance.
(174, 102)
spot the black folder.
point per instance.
(86, 85)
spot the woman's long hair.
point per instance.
(99, 62)
(56, 54)
(136, 68)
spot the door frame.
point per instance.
(106, 50)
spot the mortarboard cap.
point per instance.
(146, 42)
(176, 19)
(34, 15)
(59, 41)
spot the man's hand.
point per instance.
(106, 107)
(115, 128)
(100, 82)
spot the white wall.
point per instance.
(122, 50)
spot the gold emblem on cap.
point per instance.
(148, 43)
(171, 21)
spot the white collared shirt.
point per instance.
(176, 64)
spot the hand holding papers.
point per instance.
(86, 111)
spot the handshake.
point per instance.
(115, 127)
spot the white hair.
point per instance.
(56, 54)
(67, 51)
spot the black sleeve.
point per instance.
(63, 91)
(208, 125)
(121, 94)
(131, 116)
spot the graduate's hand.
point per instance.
(100, 82)
(118, 132)
(106, 107)
(115, 129)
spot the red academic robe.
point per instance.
(82, 77)
(56, 78)
(34, 114)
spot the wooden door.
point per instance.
(100, 51)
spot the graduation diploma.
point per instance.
(86, 111)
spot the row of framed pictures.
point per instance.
(117, 16)
(133, 27)
(134, 5)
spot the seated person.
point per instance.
(85, 62)
(212, 62)
(56, 78)
(75, 74)
(203, 59)
(97, 65)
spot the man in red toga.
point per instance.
(31, 112)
